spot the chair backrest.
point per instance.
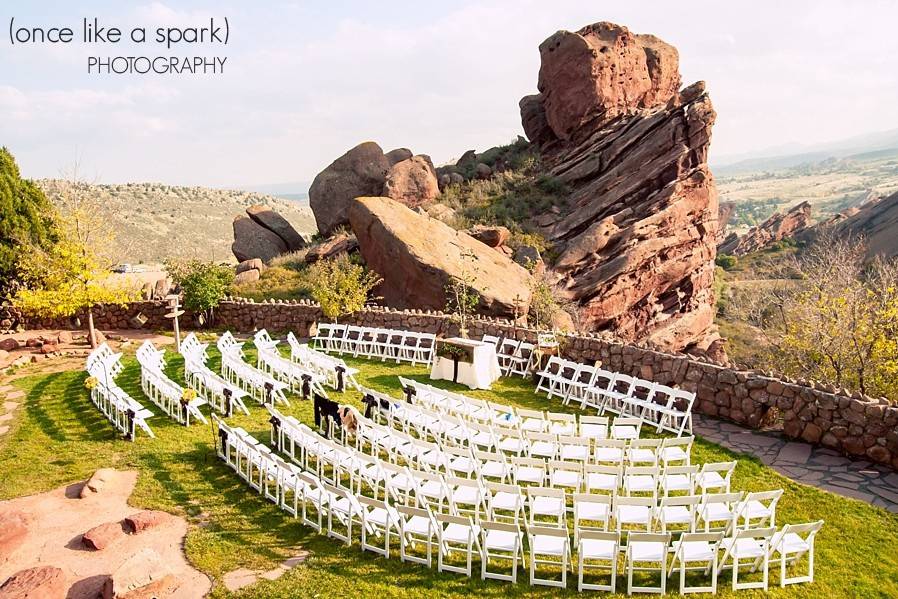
(755, 533)
(642, 389)
(690, 470)
(443, 518)
(681, 442)
(408, 512)
(648, 537)
(524, 413)
(623, 383)
(604, 469)
(719, 467)
(714, 538)
(591, 498)
(637, 501)
(500, 526)
(567, 466)
(646, 443)
(494, 488)
(603, 379)
(548, 531)
(681, 500)
(723, 497)
(642, 471)
(533, 492)
(492, 339)
(598, 535)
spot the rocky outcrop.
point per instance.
(876, 222)
(412, 181)
(35, 583)
(725, 212)
(782, 225)
(277, 224)
(492, 236)
(417, 256)
(361, 171)
(636, 241)
(366, 171)
(252, 240)
(332, 247)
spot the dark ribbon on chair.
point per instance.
(369, 402)
(223, 438)
(276, 431)
(129, 434)
(229, 407)
(410, 392)
(269, 388)
(340, 370)
(306, 385)
(184, 410)
(454, 368)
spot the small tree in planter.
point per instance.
(204, 285)
(340, 286)
(461, 297)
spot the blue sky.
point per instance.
(305, 81)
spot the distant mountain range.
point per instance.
(297, 191)
(793, 155)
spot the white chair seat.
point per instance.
(458, 533)
(603, 482)
(792, 543)
(467, 495)
(639, 483)
(565, 478)
(624, 432)
(589, 510)
(548, 545)
(676, 482)
(647, 551)
(562, 428)
(574, 452)
(744, 548)
(530, 474)
(609, 454)
(501, 540)
(676, 514)
(673, 454)
(547, 506)
(465, 465)
(494, 469)
(642, 455)
(433, 489)
(418, 525)
(710, 480)
(597, 549)
(696, 551)
(532, 424)
(756, 509)
(593, 431)
(715, 512)
(506, 501)
(378, 515)
(512, 445)
(633, 514)
(401, 482)
(542, 448)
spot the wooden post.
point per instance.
(175, 312)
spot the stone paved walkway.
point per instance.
(806, 463)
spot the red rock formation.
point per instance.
(39, 582)
(412, 181)
(782, 225)
(417, 256)
(636, 244)
(876, 222)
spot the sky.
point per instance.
(306, 81)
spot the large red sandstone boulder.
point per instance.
(600, 72)
(13, 529)
(636, 242)
(141, 521)
(412, 182)
(493, 236)
(141, 569)
(98, 481)
(9, 344)
(398, 155)
(782, 225)
(332, 247)
(417, 256)
(42, 582)
(277, 224)
(361, 171)
(252, 240)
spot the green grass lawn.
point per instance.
(58, 437)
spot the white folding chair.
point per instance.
(597, 546)
(505, 502)
(593, 427)
(549, 547)
(715, 476)
(456, 533)
(751, 546)
(549, 503)
(530, 471)
(591, 512)
(717, 508)
(758, 506)
(696, 548)
(416, 526)
(678, 479)
(625, 428)
(602, 478)
(679, 511)
(676, 451)
(610, 451)
(500, 541)
(644, 452)
(647, 548)
(641, 479)
(636, 512)
(566, 475)
(791, 543)
(379, 519)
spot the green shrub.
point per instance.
(277, 282)
(340, 285)
(726, 261)
(204, 284)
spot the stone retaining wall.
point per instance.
(852, 424)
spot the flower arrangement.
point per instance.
(91, 382)
(188, 395)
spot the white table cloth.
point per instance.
(479, 374)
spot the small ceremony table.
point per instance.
(467, 362)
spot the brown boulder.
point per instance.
(330, 248)
(412, 182)
(483, 171)
(252, 240)
(636, 236)
(246, 265)
(157, 589)
(141, 569)
(247, 276)
(34, 342)
(277, 224)
(98, 481)
(441, 212)
(601, 72)
(41, 582)
(13, 529)
(398, 155)
(782, 225)
(102, 536)
(533, 118)
(9, 344)
(146, 519)
(417, 256)
(64, 338)
(49, 348)
(361, 171)
(491, 236)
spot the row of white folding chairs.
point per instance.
(223, 396)
(335, 371)
(449, 430)
(515, 357)
(592, 516)
(369, 342)
(665, 408)
(162, 391)
(257, 384)
(124, 412)
(297, 377)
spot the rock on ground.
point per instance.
(13, 528)
(332, 247)
(412, 181)
(146, 519)
(361, 171)
(277, 224)
(417, 256)
(41, 582)
(252, 240)
(637, 239)
(493, 236)
(102, 536)
(99, 481)
(782, 225)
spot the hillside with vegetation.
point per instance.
(153, 222)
